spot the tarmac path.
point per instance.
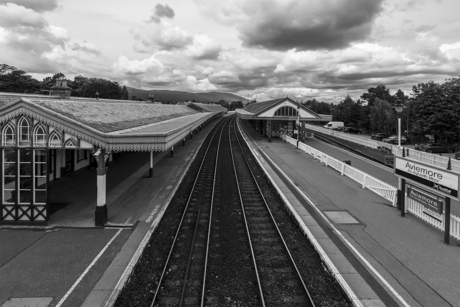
(48, 262)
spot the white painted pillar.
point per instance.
(151, 164)
(101, 206)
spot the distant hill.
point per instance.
(176, 96)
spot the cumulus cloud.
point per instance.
(160, 12)
(451, 51)
(26, 30)
(36, 5)
(136, 67)
(166, 37)
(16, 16)
(163, 36)
(86, 47)
(287, 24)
(203, 48)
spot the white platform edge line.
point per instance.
(130, 267)
(64, 298)
(352, 296)
(383, 280)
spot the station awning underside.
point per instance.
(267, 110)
(114, 126)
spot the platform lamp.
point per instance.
(399, 107)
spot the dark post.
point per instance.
(403, 198)
(172, 151)
(447, 221)
(183, 142)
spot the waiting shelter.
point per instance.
(277, 116)
(43, 139)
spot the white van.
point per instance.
(333, 125)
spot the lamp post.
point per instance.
(402, 182)
(298, 123)
(399, 108)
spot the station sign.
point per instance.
(430, 201)
(436, 179)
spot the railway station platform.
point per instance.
(72, 263)
(386, 259)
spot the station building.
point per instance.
(277, 116)
(44, 138)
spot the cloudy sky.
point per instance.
(263, 49)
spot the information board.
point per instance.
(430, 201)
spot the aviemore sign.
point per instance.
(434, 178)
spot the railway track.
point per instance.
(218, 243)
(278, 276)
(181, 281)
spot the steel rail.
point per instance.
(208, 239)
(160, 281)
(273, 220)
(246, 222)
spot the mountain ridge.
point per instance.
(177, 96)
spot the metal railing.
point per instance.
(377, 186)
(421, 156)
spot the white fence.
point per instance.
(433, 219)
(421, 156)
(379, 187)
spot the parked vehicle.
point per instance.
(379, 136)
(333, 125)
(340, 129)
(434, 147)
(457, 155)
(394, 140)
(352, 130)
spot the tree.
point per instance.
(6, 69)
(382, 117)
(380, 92)
(437, 109)
(124, 93)
(347, 111)
(15, 80)
(373, 93)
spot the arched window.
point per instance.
(286, 111)
(71, 143)
(39, 136)
(55, 139)
(9, 137)
(24, 132)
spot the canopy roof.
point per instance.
(266, 110)
(113, 126)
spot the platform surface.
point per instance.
(406, 252)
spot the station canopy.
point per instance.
(280, 109)
(121, 126)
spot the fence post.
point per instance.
(326, 159)
(343, 168)
(447, 221)
(364, 181)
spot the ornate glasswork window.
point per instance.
(286, 111)
(39, 136)
(55, 139)
(71, 143)
(23, 132)
(9, 137)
